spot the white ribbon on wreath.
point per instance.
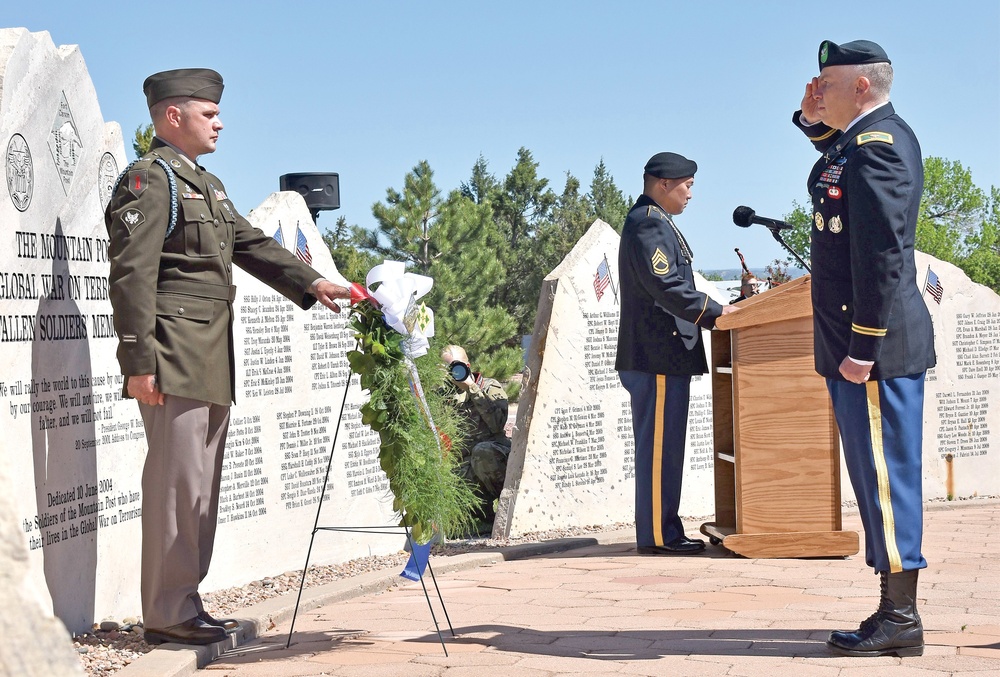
(397, 293)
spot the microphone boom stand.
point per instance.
(775, 231)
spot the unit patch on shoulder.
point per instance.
(138, 179)
(867, 137)
(661, 264)
(133, 218)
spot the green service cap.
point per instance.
(670, 166)
(197, 83)
(850, 53)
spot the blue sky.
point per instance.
(368, 89)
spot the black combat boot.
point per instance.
(894, 628)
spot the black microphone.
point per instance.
(744, 216)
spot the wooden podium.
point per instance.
(777, 450)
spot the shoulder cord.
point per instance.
(173, 190)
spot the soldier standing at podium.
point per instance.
(660, 347)
(873, 336)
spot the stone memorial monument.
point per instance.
(73, 449)
(572, 461)
(34, 643)
(961, 416)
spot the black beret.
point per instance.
(850, 53)
(670, 166)
(197, 83)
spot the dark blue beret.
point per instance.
(197, 83)
(850, 53)
(670, 166)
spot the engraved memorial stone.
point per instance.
(572, 460)
(961, 419)
(36, 643)
(74, 450)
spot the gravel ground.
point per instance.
(112, 645)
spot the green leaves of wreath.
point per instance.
(428, 494)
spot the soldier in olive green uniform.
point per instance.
(483, 403)
(174, 237)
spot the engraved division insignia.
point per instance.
(867, 137)
(818, 218)
(133, 218)
(661, 264)
(836, 225)
(138, 179)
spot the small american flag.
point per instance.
(933, 286)
(278, 236)
(602, 278)
(301, 246)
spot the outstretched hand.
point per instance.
(326, 291)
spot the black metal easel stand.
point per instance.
(384, 530)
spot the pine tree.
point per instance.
(607, 203)
(522, 204)
(352, 260)
(142, 140)
(454, 241)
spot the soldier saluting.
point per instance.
(873, 336)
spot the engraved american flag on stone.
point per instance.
(602, 278)
(933, 286)
(302, 247)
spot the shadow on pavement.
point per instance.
(650, 644)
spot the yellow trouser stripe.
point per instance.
(882, 477)
(661, 396)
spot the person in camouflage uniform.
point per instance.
(483, 403)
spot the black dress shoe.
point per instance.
(678, 546)
(227, 624)
(191, 631)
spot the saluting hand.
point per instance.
(810, 106)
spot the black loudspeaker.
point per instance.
(321, 190)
